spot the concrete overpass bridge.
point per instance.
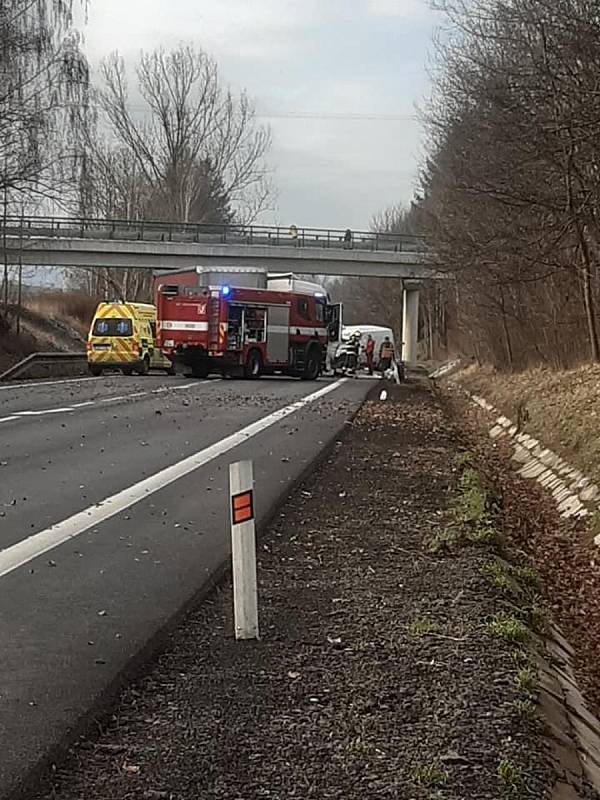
(89, 243)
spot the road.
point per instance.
(114, 516)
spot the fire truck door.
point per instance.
(334, 331)
(278, 334)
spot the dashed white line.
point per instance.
(43, 412)
(40, 543)
(33, 384)
(19, 415)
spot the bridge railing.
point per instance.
(151, 231)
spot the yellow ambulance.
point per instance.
(123, 336)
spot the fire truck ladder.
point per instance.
(214, 342)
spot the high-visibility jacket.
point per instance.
(387, 350)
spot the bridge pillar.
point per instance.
(410, 324)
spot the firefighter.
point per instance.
(370, 352)
(386, 354)
(348, 354)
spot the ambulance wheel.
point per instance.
(312, 370)
(95, 370)
(144, 367)
(127, 370)
(253, 367)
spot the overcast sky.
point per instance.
(317, 57)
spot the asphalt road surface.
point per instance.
(114, 514)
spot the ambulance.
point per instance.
(123, 336)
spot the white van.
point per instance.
(378, 333)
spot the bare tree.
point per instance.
(108, 283)
(43, 87)
(511, 180)
(196, 146)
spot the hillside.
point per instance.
(42, 330)
(559, 408)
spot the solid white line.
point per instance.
(8, 419)
(39, 543)
(83, 405)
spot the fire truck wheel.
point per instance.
(200, 369)
(253, 366)
(313, 365)
(172, 370)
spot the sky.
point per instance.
(308, 65)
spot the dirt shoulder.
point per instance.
(378, 674)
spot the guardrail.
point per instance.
(144, 230)
(37, 359)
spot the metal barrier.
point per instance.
(26, 228)
(36, 359)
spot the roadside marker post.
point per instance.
(243, 550)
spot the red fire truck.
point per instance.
(235, 330)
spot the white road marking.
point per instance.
(39, 543)
(44, 411)
(33, 384)
(19, 415)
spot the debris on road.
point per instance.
(390, 666)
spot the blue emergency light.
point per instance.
(225, 291)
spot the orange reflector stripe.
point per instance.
(243, 515)
(242, 501)
(242, 507)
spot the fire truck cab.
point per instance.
(243, 331)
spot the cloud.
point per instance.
(405, 9)
(312, 65)
(231, 28)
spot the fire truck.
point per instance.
(244, 331)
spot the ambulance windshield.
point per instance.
(113, 327)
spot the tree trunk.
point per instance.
(590, 313)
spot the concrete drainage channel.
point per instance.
(574, 729)
(574, 493)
